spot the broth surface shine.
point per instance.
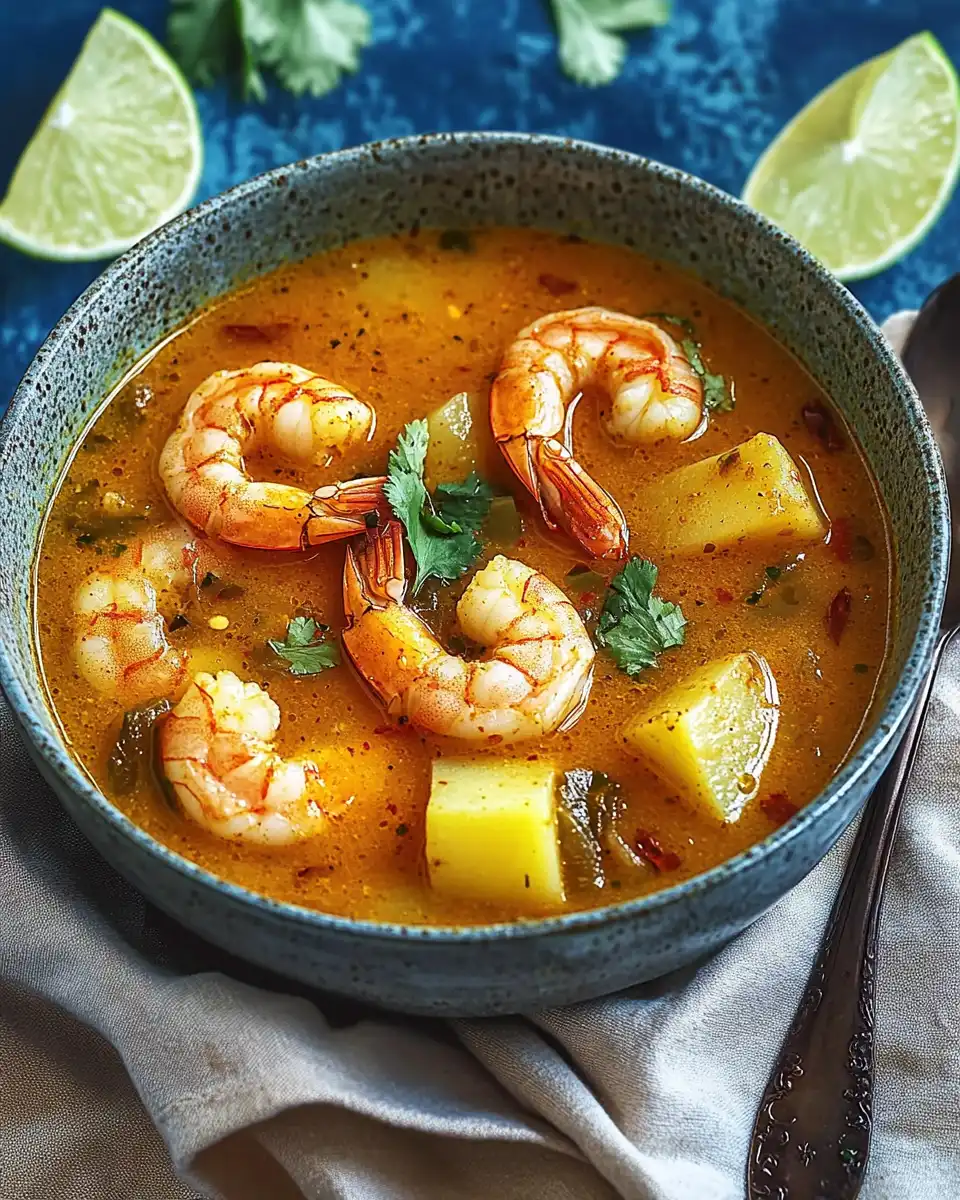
(405, 323)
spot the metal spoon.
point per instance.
(812, 1133)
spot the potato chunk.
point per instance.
(711, 736)
(750, 493)
(460, 439)
(492, 832)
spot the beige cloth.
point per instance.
(135, 1064)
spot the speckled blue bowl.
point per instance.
(460, 180)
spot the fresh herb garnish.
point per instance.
(717, 396)
(635, 625)
(308, 44)
(441, 530)
(683, 323)
(133, 749)
(464, 504)
(304, 650)
(436, 524)
(591, 50)
(773, 579)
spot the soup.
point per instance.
(625, 725)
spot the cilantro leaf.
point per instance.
(635, 625)
(464, 504)
(591, 52)
(436, 524)
(683, 323)
(253, 86)
(204, 37)
(308, 44)
(440, 549)
(304, 649)
(717, 397)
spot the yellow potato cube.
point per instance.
(753, 492)
(711, 736)
(460, 439)
(492, 832)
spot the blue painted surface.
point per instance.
(705, 93)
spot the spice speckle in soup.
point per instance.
(465, 578)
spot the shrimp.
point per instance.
(295, 412)
(537, 675)
(121, 644)
(216, 750)
(654, 394)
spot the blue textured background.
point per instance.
(705, 93)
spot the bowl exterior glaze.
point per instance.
(462, 180)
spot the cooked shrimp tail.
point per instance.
(653, 394)
(343, 509)
(375, 574)
(572, 500)
(285, 408)
(535, 679)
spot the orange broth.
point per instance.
(405, 323)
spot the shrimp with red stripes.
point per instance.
(653, 392)
(217, 752)
(537, 674)
(279, 407)
(121, 648)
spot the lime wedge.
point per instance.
(862, 173)
(117, 153)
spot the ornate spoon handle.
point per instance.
(812, 1134)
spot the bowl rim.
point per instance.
(888, 720)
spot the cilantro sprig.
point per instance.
(635, 625)
(304, 650)
(591, 49)
(308, 44)
(718, 395)
(441, 529)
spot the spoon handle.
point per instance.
(812, 1133)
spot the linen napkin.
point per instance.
(137, 1062)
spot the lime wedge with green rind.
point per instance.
(117, 154)
(861, 174)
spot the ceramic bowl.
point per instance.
(458, 181)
